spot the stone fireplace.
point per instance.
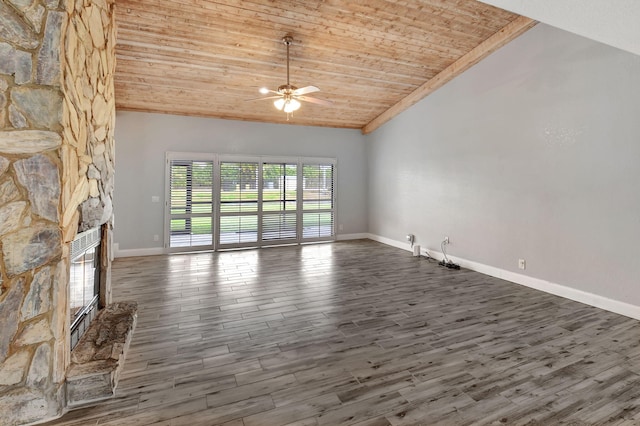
(57, 117)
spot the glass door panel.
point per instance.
(279, 203)
(238, 204)
(191, 202)
(318, 218)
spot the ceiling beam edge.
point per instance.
(509, 32)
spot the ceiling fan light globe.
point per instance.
(291, 106)
(279, 103)
(264, 90)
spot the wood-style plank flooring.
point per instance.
(360, 333)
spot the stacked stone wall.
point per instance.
(89, 115)
(57, 115)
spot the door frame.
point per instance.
(189, 156)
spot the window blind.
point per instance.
(318, 214)
(190, 203)
(238, 203)
(279, 202)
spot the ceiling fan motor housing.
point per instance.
(287, 89)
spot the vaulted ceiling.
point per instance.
(371, 58)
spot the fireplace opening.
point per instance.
(84, 282)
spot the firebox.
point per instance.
(84, 282)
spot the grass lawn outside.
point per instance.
(247, 202)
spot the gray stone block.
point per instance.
(38, 300)
(41, 106)
(16, 118)
(23, 406)
(8, 191)
(10, 216)
(39, 370)
(9, 310)
(40, 176)
(48, 70)
(15, 29)
(30, 248)
(91, 388)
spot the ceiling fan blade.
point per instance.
(314, 100)
(266, 91)
(305, 90)
(264, 98)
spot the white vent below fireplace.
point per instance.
(84, 241)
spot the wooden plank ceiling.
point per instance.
(371, 58)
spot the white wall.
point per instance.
(142, 139)
(533, 153)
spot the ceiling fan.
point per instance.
(287, 97)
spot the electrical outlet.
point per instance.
(156, 238)
(446, 240)
(522, 264)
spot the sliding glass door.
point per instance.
(224, 202)
(190, 203)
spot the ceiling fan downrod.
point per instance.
(289, 105)
(287, 88)
(287, 42)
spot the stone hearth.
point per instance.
(98, 358)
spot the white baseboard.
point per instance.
(137, 252)
(344, 237)
(390, 242)
(602, 302)
(159, 250)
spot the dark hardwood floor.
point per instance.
(360, 333)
